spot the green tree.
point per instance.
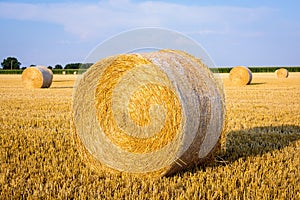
(86, 65)
(73, 66)
(58, 66)
(10, 63)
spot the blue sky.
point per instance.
(233, 32)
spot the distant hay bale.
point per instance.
(74, 73)
(240, 76)
(282, 73)
(153, 113)
(64, 72)
(37, 77)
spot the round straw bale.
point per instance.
(282, 73)
(240, 76)
(151, 113)
(37, 77)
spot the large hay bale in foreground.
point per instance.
(282, 73)
(151, 113)
(240, 76)
(37, 77)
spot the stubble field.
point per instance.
(260, 156)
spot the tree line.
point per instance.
(12, 63)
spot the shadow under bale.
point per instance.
(252, 142)
(259, 140)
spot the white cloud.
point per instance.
(107, 17)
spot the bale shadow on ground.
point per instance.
(62, 81)
(260, 83)
(62, 87)
(259, 140)
(253, 142)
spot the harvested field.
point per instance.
(260, 158)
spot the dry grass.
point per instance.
(38, 158)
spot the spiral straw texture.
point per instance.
(282, 73)
(151, 113)
(37, 77)
(240, 76)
